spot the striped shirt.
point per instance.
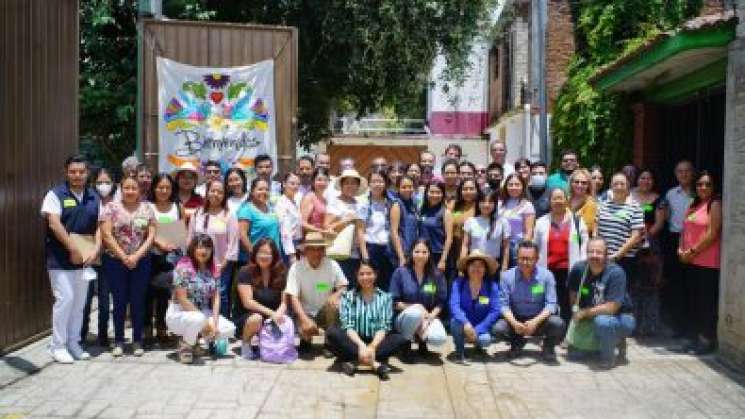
(616, 222)
(366, 318)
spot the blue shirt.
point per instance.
(528, 297)
(481, 312)
(263, 224)
(432, 228)
(431, 293)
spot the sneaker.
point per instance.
(461, 359)
(137, 349)
(61, 355)
(304, 347)
(423, 349)
(78, 353)
(348, 368)
(118, 350)
(382, 372)
(515, 351)
(249, 352)
(326, 352)
(185, 355)
(548, 353)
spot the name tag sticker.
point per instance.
(648, 207)
(692, 217)
(621, 214)
(219, 225)
(429, 288)
(483, 300)
(323, 287)
(165, 219)
(585, 291)
(140, 222)
(69, 203)
(575, 237)
(537, 289)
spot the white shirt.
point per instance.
(376, 220)
(314, 286)
(52, 205)
(234, 203)
(478, 229)
(678, 202)
(289, 223)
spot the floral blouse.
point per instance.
(128, 228)
(200, 286)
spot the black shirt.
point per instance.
(267, 296)
(610, 285)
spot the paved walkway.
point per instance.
(655, 384)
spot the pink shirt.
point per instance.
(694, 230)
(222, 228)
(318, 213)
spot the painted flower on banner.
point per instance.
(217, 104)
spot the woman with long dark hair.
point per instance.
(313, 205)
(195, 307)
(436, 224)
(460, 211)
(167, 210)
(376, 246)
(699, 252)
(419, 296)
(518, 211)
(404, 219)
(260, 286)
(215, 220)
(488, 232)
(287, 210)
(257, 219)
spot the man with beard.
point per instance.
(560, 179)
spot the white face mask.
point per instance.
(104, 189)
(537, 181)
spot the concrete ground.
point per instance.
(655, 384)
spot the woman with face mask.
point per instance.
(105, 187)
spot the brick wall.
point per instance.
(559, 47)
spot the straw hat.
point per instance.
(314, 239)
(491, 264)
(186, 166)
(351, 173)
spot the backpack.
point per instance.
(277, 342)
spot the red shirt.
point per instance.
(558, 246)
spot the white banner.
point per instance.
(224, 114)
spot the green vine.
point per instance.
(599, 126)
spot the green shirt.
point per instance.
(366, 318)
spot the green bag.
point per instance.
(581, 334)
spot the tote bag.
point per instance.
(341, 247)
(581, 333)
(277, 342)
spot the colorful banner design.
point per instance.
(223, 114)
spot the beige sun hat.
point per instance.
(351, 173)
(477, 254)
(186, 166)
(314, 239)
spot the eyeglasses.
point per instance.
(213, 171)
(480, 170)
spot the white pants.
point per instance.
(70, 290)
(188, 324)
(408, 324)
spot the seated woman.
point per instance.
(364, 335)
(195, 307)
(260, 286)
(474, 303)
(419, 294)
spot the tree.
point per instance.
(108, 79)
(354, 55)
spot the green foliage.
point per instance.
(108, 80)
(599, 126)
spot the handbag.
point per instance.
(277, 342)
(341, 247)
(581, 333)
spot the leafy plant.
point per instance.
(599, 125)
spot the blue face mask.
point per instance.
(537, 181)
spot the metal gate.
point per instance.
(38, 129)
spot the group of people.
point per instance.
(401, 256)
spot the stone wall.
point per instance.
(559, 47)
(732, 285)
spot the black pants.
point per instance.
(672, 295)
(552, 330)
(346, 350)
(562, 293)
(156, 297)
(382, 262)
(702, 296)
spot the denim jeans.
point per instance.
(610, 330)
(128, 288)
(459, 338)
(226, 289)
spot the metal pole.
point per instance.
(542, 100)
(145, 9)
